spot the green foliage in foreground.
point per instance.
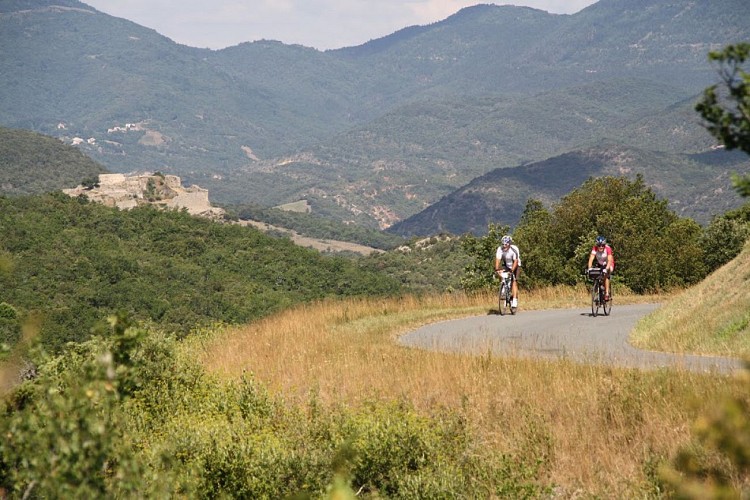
(131, 415)
(725, 236)
(726, 106)
(76, 262)
(654, 248)
(719, 456)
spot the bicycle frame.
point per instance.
(505, 293)
(598, 292)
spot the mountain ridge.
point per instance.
(500, 196)
(231, 119)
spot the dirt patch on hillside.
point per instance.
(317, 244)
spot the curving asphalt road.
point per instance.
(560, 333)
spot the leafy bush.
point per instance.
(540, 257)
(725, 236)
(10, 327)
(72, 412)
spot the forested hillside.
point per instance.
(32, 163)
(74, 263)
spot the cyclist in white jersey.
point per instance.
(507, 257)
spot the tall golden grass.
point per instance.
(602, 429)
(712, 317)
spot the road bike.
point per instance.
(505, 299)
(598, 292)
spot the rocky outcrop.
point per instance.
(129, 191)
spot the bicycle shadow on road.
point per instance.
(496, 312)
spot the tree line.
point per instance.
(654, 248)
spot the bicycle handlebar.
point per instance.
(504, 274)
(599, 272)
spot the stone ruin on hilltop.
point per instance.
(166, 191)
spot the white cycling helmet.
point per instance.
(507, 240)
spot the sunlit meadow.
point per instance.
(603, 430)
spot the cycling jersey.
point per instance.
(506, 257)
(601, 256)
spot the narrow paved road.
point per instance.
(560, 333)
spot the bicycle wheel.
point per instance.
(595, 299)
(502, 302)
(607, 304)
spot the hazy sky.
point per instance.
(323, 24)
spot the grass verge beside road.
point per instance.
(712, 317)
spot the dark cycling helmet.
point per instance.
(601, 240)
(507, 240)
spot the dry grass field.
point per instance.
(602, 431)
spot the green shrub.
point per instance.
(10, 326)
(723, 240)
(63, 431)
(133, 414)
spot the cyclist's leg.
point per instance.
(514, 287)
(606, 281)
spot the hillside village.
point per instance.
(129, 191)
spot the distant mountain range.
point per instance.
(696, 185)
(377, 134)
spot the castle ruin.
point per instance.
(129, 191)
